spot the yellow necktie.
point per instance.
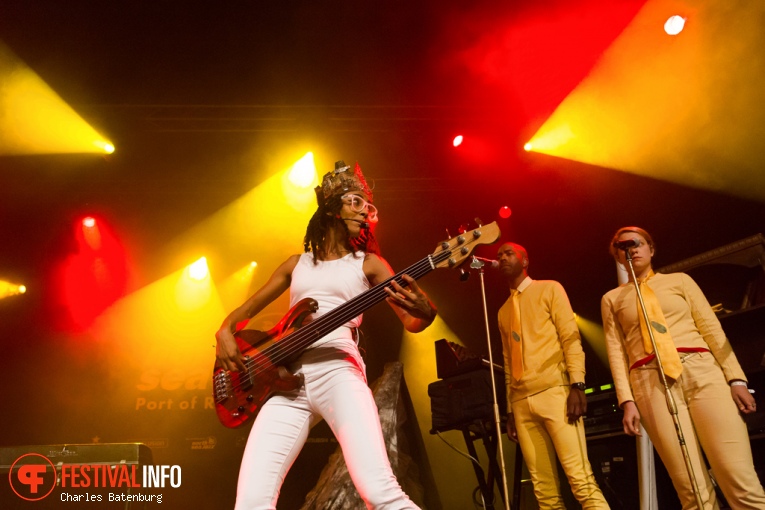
(670, 360)
(516, 352)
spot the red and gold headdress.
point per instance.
(342, 180)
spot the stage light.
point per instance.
(10, 289)
(94, 275)
(505, 212)
(548, 140)
(198, 270)
(35, 120)
(297, 186)
(196, 288)
(165, 325)
(303, 172)
(457, 140)
(617, 117)
(91, 233)
(253, 265)
(104, 146)
(527, 146)
(674, 25)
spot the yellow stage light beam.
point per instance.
(107, 147)
(267, 223)
(303, 172)
(298, 185)
(170, 322)
(35, 120)
(419, 359)
(195, 288)
(676, 108)
(592, 333)
(198, 270)
(10, 289)
(161, 345)
(236, 288)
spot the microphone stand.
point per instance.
(477, 264)
(671, 404)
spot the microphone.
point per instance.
(493, 263)
(362, 224)
(627, 244)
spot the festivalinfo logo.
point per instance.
(33, 477)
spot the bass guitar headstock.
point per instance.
(452, 252)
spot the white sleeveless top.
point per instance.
(331, 283)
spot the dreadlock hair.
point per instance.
(323, 219)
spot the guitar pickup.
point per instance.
(245, 378)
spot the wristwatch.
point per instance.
(579, 386)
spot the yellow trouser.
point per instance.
(544, 430)
(708, 415)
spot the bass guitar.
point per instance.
(239, 395)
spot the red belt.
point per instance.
(639, 363)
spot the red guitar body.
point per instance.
(240, 395)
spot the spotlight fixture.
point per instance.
(198, 270)
(303, 172)
(674, 25)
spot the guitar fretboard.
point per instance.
(330, 321)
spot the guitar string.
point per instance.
(363, 301)
(293, 343)
(290, 345)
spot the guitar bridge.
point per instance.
(222, 386)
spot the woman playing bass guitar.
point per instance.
(341, 260)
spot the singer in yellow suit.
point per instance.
(703, 374)
(544, 376)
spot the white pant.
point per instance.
(335, 389)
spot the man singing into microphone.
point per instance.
(544, 376)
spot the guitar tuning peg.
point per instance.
(463, 229)
(478, 222)
(464, 275)
(448, 235)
